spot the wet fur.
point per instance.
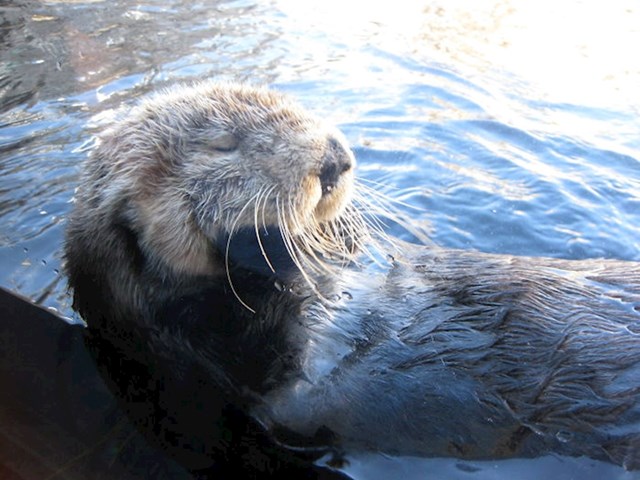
(475, 356)
(437, 353)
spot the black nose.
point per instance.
(335, 162)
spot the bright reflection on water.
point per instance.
(512, 125)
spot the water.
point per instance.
(506, 126)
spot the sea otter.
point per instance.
(242, 302)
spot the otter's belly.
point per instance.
(473, 355)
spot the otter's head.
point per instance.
(191, 167)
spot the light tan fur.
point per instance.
(196, 163)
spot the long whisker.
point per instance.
(284, 230)
(291, 246)
(389, 194)
(364, 234)
(315, 247)
(264, 207)
(314, 240)
(381, 190)
(377, 204)
(285, 218)
(307, 246)
(262, 197)
(232, 230)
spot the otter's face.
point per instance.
(280, 167)
(204, 162)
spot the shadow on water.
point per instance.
(433, 96)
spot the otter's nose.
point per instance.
(335, 162)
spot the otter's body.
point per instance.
(213, 252)
(473, 355)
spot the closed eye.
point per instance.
(222, 141)
(226, 142)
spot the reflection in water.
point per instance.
(513, 125)
(63, 48)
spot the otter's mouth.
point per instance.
(334, 199)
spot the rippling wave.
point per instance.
(439, 109)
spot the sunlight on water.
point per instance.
(359, 22)
(435, 96)
(574, 51)
(562, 53)
(508, 126)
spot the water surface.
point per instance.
(505, 126)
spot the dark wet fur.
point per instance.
(188, 368)
(452, 353)
(480, 356)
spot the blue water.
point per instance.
(486, 152)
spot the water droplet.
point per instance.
(468, 468)
(564, 436)
(279, 286)
(347, 295)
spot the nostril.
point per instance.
(335, 162)
(344, 165)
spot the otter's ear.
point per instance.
(223, 141)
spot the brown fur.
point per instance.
(177, 174)
(438, 353)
